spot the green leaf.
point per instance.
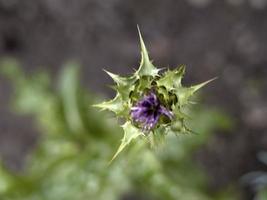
(172, 79)
(198, 86)
(180, 114)
(116, 78)
(144, 83)
(124, 85)
(184, 93)
(130, 133)
(116, 105)
(69, 86)
(146, 67)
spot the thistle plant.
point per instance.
(151, 101)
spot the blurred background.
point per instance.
(224, 38)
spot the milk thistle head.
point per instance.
(151, 103)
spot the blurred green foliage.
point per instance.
(262, 194)
(71, 159)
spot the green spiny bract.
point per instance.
(151, 103)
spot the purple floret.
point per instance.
(148, 110)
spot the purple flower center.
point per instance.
(148, 110)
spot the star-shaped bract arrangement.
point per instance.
(151, 103)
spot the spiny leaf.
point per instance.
(178, 76)
(130, 133)
(179, 114)
(167, 80)
(124, 85)
(146, 67)
(184, 93)
(172, 79)
(116, 78)
(198, 86)
(115, 105)
(144, 83)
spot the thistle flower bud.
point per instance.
(150, 102)
(148, 110)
